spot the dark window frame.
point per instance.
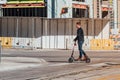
(79, 0)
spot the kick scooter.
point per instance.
(72, 59)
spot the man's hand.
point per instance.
(74, 43)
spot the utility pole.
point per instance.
(115, 10)
(93, 20)
(110, 13)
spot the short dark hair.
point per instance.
(79, 23)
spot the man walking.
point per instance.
(80, 39)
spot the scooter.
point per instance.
(72, 59)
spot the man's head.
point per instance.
(78, 25)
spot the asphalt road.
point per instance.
(57, 66)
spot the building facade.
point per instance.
(79, 8)
(74, 9)
(24, 8)
(108, 9)
(1, 3)
(48, 8)
(118, 18)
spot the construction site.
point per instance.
(37, 40)
(51, 24)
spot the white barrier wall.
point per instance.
(22, 42)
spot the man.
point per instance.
(80, 39)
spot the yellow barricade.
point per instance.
(108, 44)
(95, 44)
(92, 44)
(101, 44)
(6, 42)
(0, 39)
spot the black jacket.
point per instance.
(80, 35)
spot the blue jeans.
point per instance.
(81, 51)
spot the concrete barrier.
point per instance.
(101, 44)
(6, 42)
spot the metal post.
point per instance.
(93, 20)
(115, 16)
(46, 34)
(17, 28)
(0, 10)
(41, 33)
(0, 51)
(33, 36)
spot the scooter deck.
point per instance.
(71, 59)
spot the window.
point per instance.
(80, 13)
(79, 0)
(25, 12)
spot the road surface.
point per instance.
(104, 65)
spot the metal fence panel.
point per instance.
(24, 27)
(38, 29)
(4, 27)
(30, 28)
(53, 30)
(68, 33)
(61, 33)
(45, 37)
(11, 26)
(0, 26)
(49, 33)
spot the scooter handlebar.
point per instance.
(75, 44)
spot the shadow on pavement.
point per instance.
(58, 61)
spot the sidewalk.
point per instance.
(16, 63)
(76, 49)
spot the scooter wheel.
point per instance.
(71, 59)
(88, 60)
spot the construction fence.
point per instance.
(40, 33)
